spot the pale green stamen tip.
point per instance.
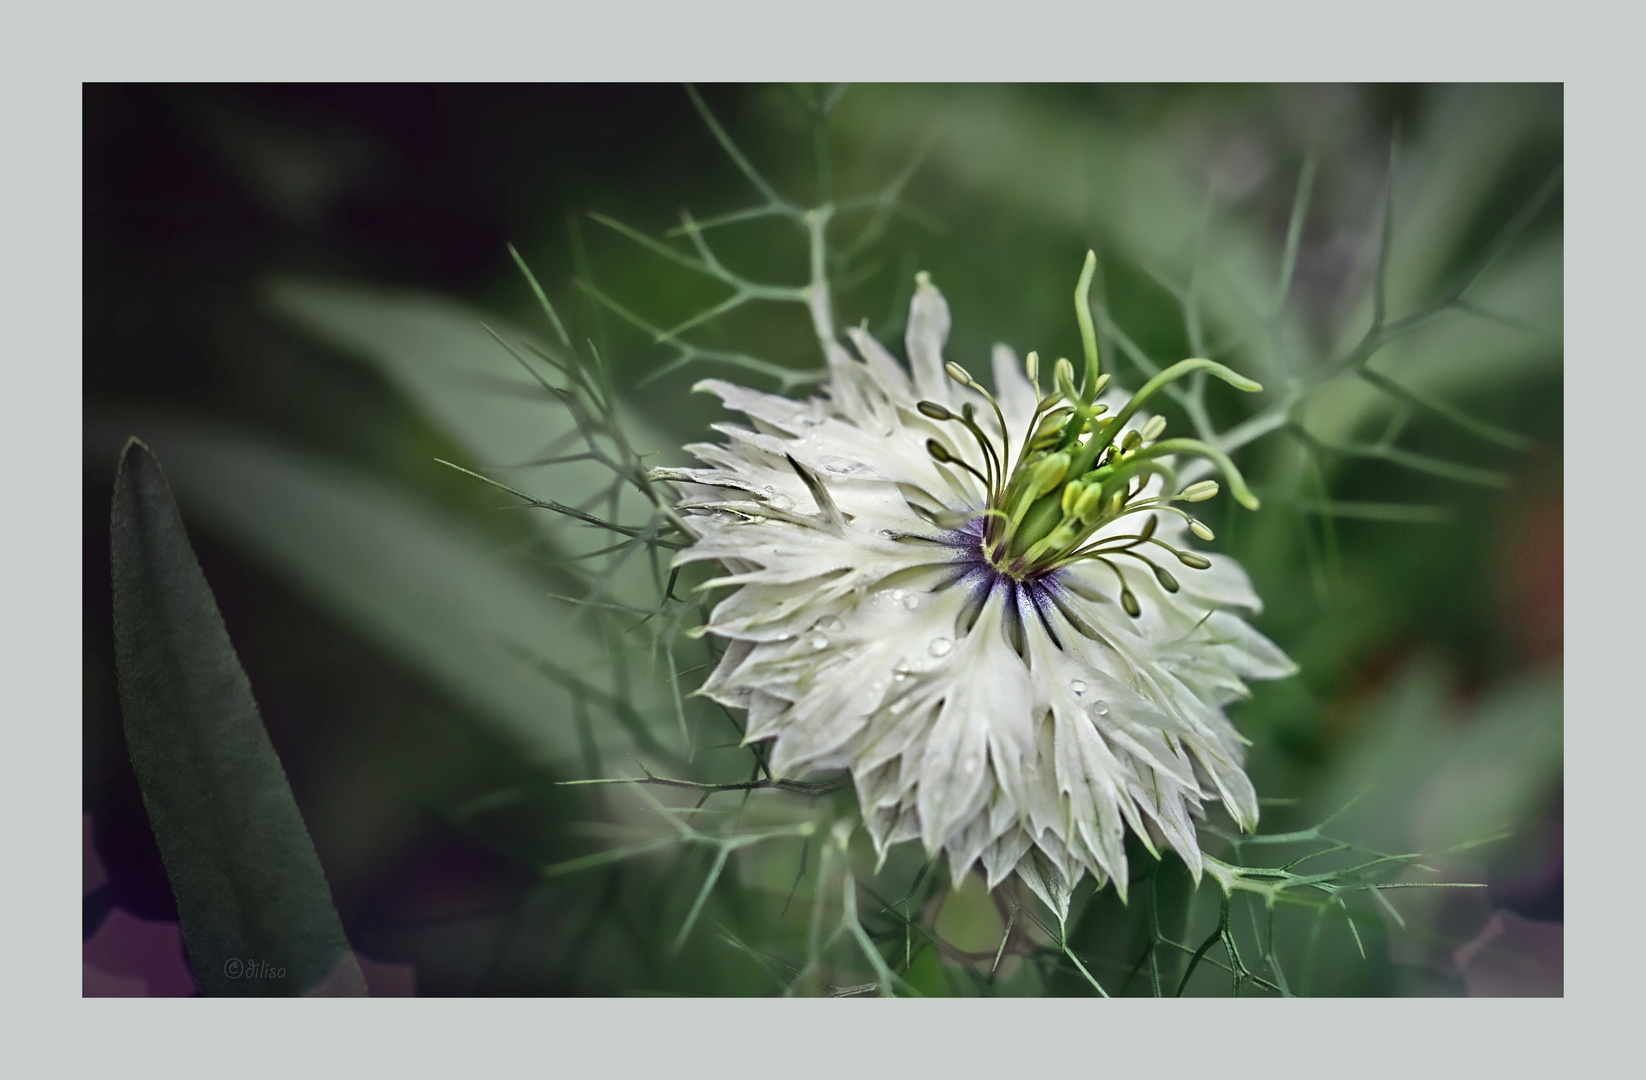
(1199, 528)
(1200, 492)
(1048, 473)
(958, 373)
(1089, 504)
(1063, 373)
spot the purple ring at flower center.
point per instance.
(981, 578)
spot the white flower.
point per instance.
(985, 634)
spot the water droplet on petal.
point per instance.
(830, 624)
(817, 642)
(970, 766)
(940, 646)
(1100, 708)
(1078, 687)
(912, 601)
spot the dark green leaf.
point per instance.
(256, 913)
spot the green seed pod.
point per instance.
(934, 410)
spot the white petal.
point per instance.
(989, 683)
(928, 331)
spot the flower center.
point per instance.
(1078, 470)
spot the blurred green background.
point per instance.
(283, 288)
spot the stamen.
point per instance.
(1127, 599)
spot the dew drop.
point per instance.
(817, 642)
(900, 706)
(940, 646)
(912, 601)
(1100, 708)
(830, 624)
(1078, 687)
(970, 766)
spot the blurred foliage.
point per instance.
(285, 293)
